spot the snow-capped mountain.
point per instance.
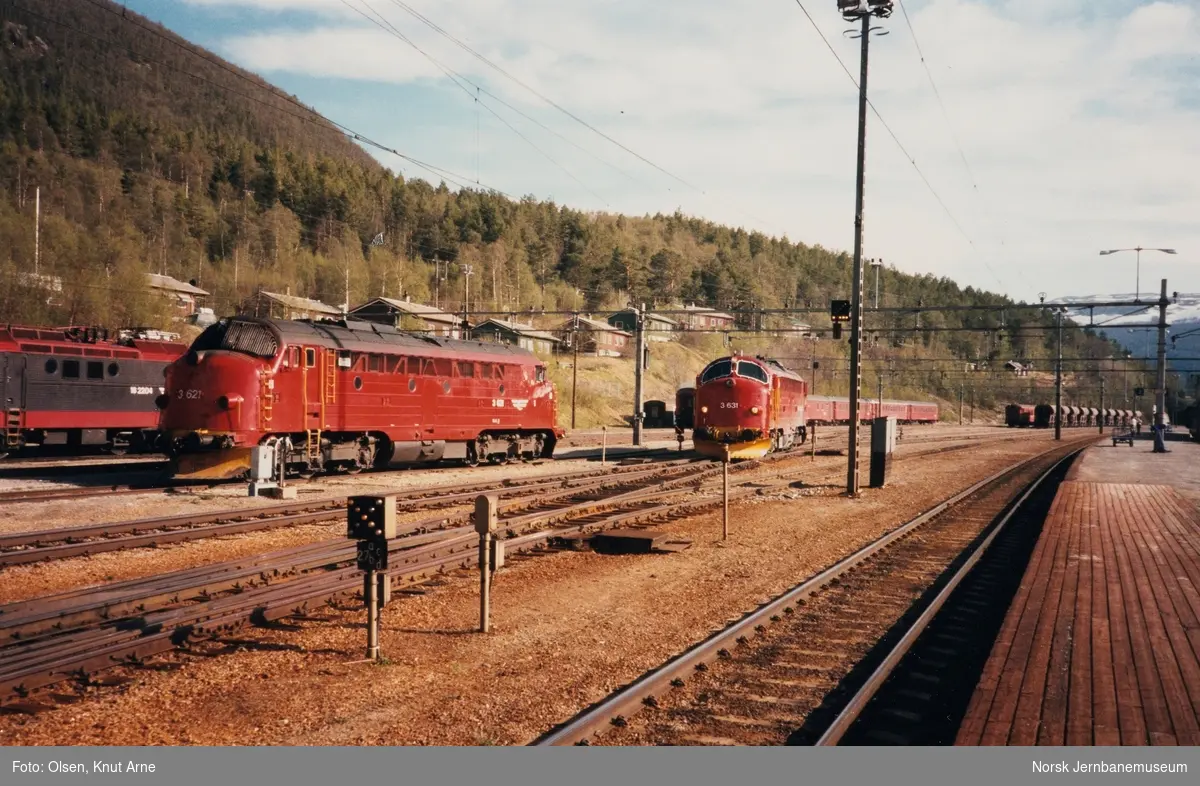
(1183, 316)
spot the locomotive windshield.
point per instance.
(752, 371)
(721, 368)
(248, 338)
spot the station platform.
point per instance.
(1101, 645)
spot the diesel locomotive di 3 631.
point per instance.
(751, 405)
(346, 395)
(80, 387)
(755, 406)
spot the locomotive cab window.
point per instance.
(466, 369)
(541, 373)
(70, 369)
(95, 369)
(752, 371)
(722, 368)
(294, 357)
(310, 357)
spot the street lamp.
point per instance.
(859, 11)
(1139, 250)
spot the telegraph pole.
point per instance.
(1101, 404)
(1058, 381)
(639, 361)
(1160, 395)
(37, 228)
(859, 11)
(574, 367)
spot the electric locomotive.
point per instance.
(346, 395)
(753, 406)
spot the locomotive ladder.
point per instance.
(267, 405)
(12, 428)
(328, 396)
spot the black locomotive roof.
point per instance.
(375, 337)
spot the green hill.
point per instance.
(152, 155)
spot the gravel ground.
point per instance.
(567, 629)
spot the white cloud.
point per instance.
(1071, 115)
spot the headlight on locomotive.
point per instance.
(229, 402)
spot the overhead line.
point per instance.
(385, 25)
(945, 115)
(409, 9)
(896, 139)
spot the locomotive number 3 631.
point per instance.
(190, 395)
(729, 405)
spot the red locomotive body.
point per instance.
(77, 387)
(750, 405)
(349, 395)
(1019, 415)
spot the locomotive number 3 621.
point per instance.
(190, 395)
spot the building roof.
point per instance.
(706, 311)
(649, 315)
(158, 281)
(595, 325)
(300, 303)
(523, 330)
(419, 310)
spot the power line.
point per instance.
(938, 95)
(454, 77)
(896, 139)
(549, 101)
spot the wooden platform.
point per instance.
(1102, 643)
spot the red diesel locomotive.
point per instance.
(350, 395)
(751, 405)
(756, 406)
(77, 387)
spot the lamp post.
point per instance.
(1139, 250)
(876, 263)
(859, 11)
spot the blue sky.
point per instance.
(1077, 120)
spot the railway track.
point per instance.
(59, 543)
(63, 542)
(802, 667)
(82, 632)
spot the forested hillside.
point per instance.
(154, 156)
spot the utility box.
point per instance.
(883, 445)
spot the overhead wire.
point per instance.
(441, 31)
(385, 25)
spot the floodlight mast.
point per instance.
(1138, 293)
(859, 11)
